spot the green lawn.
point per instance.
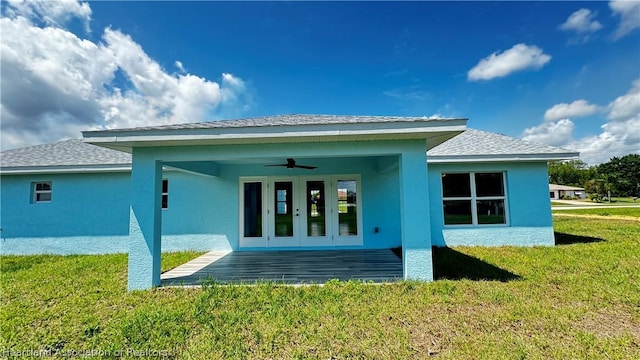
(633, 212)
(619, 201)
(623, 201)
(577, 300)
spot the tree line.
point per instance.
(617, 177)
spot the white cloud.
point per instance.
(180, 66)
(555, 133)
(53, 13)
(581, 21)
(55, 84)
(499, 64)
(575, 109)
(629, 12)
(620, 135)
(626, 106)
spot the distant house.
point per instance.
(292, 182)
(562, 191)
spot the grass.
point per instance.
(630, 212)
(622, 201)
(575, 300)
(625, 200)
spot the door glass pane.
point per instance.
(316, 223)
(283, 197)
(253, 209)
(347, 208)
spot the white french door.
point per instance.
(300, 211)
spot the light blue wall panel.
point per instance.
(106, 244)
(529, 209)
(82, 205)
(89, 214)
(499, 236)
(202, 212)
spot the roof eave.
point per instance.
(502, 158)
(64, 169)
(226, 136)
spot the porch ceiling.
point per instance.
(288, 267)
(383, 163)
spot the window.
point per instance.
(347, 208)
(252, 208)
(42, 192)
(473, 198)
(165, 193)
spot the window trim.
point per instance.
(473, 198)
(164, 193)
(35, 192)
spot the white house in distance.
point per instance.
(557, 192)
(290, 182)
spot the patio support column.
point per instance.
(414, 213)
(145, 223)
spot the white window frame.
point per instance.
(252, 241)
(474, 198)
(37, 192)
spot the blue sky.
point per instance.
(561, 73)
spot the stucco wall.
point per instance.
(89, 213)
(528, 206)
(82, 205)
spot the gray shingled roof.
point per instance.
(64, 153)
(285, 120)
(472, 143)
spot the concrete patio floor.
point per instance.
(287, 267)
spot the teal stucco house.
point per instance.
(277, 183)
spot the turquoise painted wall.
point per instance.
(90, 212)
(86, 205)
(529, 209)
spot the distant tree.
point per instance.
(572, 173)
(622, 174)
(609, 183)
(593, 188)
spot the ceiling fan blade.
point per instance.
(291, 163)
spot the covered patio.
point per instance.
(366, 177)
(287, 267)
